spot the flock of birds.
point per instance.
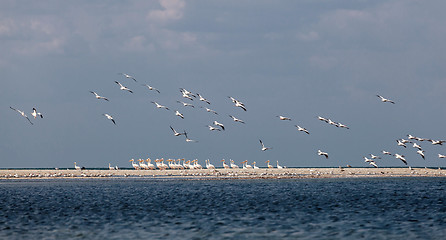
(218, 126)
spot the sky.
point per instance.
(299, 59)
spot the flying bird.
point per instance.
(35, 113)
(22, 113)
(219, 124)
(343, 126)
(385, 99)
(201, 98)
(109, 117)
(322, 119)
(123, 88)
(186, 104)
(188, 139)
(320, 153)
(299, 128)
(386, 152)
(421, 153)
(401, 143)
(371, 162)
(374, 156)
(159, 105)
(210, 110)
(238, 103)
(177, 113)
(99, 97)
(263, 146)
(437, 142)
(151, 88)
(284, 118)
(415, 145)
(400, 157)
(441, 156)
(185, 92)
(211, 128)
(127, 76)
(176, 133)
(236, 119)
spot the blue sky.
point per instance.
(300, 59)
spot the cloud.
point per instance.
(173, 10)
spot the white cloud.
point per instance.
(173, 10)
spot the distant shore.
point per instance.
(221, 173)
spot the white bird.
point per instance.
(441, 156)
(123, 87)
(400, 143)
(299, 128)
(278, 166)
(210, 110)
(415, 145)
(437, 142)
(110, 167)
(322, 119)
(186, 104)
(421, 153)
(226, 166)
(385, 99)
(188, 139)
(343, 126)
(22, 113)
(201, 98)
(176, 133)
(177, 113)
(128, 76)
(187, 96)
(76, 166)
(269, 165)
(284, 118)
(187, 92)
(151, 88)
(236, 119)
(35, 113)
(99, 97)
(238, 103)
(263, 146)
(332, 123)
(400, 157)
(411, 137)
(209, 165)
(233, 165)
(374, 157)
(371, 162)
(219, 124)
(213, 128)
(134, 165)
(109, 117)
(320, 153)
(386, 152)
(254, 165)
(159, 105)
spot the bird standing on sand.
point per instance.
(22, 113)
(320, 153)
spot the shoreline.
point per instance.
(220, 173)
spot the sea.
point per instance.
(147, 208)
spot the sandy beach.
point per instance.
(226, 173)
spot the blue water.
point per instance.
(391, 208)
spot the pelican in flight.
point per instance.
(22, 113)
(374, 156)
(177, 113)
(188, 93)
(441, 156)
(322, 119)
(238, 103)
(99, 97)
(320, 153)
(186, 104)
(35, 113)
(210, 110)
(263, 146)
(437, 142)
(109, 117)
(421, 153)
(151, 88)
(371, 162)
(76, 166)
(201, 98)
(188, 139)
(415, 145)
(122, 87)
(284, 118)
(219, 124)
(401, 143)
(400, 157)
(299, 128)
(211, 128)
(159, 105)
(385, 99)
(386, 152)
(343, 126)
(236, 119)
(176, 133)
(127, 76)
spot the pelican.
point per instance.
(76, 166)
(226, 166)
(99, 97)
(332, 123)
(142, 165)
(210, 110)
(22, 113)
(374, 157)
(110, 167)
(343, 126)
(187, 96)
(185, 92)
(233, 165)
(421, 153)
(201, 98)
(219, 124)
(236, 119)
(109, 117)
(415, 145)
(269, 165)
(278, 166)
(400, 143)
(151, 88)
(134, 165)
(149, 164)
(159, 105)
(176, 133)
(211, 128)
(371, 162)
(284, 118)
(437, 142)
(322, 119)
(188, 139)
(123, 88)
(254, 165)
(385, 99)
(441, 156)
(34, 113)
(238, 103)
(246, 165)
(209, 165)
(411, 137)
(127, 76)
(177, 113)
(299, 128)
(263, 146)
(186, 104)
(400, 157)
(320, 153)
(386, 152)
